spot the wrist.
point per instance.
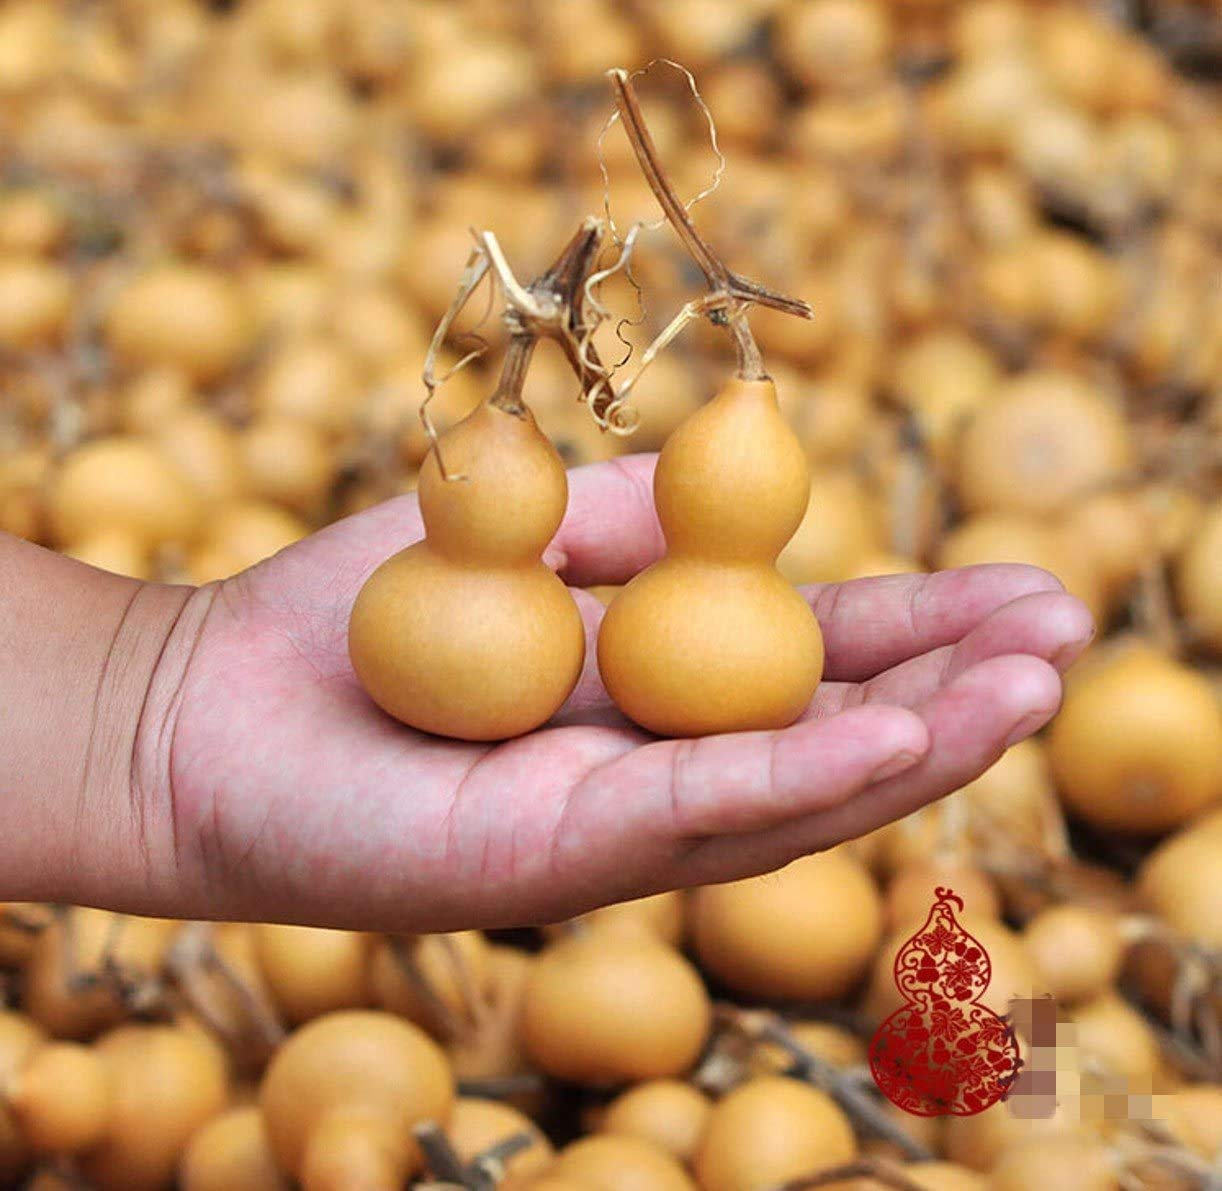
(85, 660)
(126, 789)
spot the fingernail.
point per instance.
(1031, 723)
(1072, 651)
(902, 760)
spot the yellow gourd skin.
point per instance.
(467, 634)
(712, 638)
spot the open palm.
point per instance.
(293, 797)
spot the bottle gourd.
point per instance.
(467, 633)
(712, 638)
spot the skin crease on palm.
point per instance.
(270, 787)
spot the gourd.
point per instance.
(712, 638)
(309, 971)
(231, 1153)
(341, 1095)
(467, 633)
(1137, 747)
(604, 1008)
(125, 1107)
(769, 1130)
(805, 933)
(668, 1112)
(610, 1162)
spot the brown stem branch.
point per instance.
(439, 1155)
(714, 270)
(490, 1163)
(444, 1019)
(508, 393)
(735, 293)
(501, 1087)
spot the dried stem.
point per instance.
(445, 1021)
(508, 393)
(483, 1173)
(439, 1155)
(732, 294)
(502, 1087)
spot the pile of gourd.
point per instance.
(227, 232)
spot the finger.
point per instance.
(971, 722)
(1052, 626)
(610, 531)
(748, 781)
(871, 625)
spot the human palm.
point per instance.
(292, 797)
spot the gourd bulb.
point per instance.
(945, 1176)
(1078, 951)
(913, 889)
(310, 970)
(977, 1142)
(1013, 537)
(152, 398)
(1041, 443)
(166, 1083)
(231, 1153)
(1055, 1164)
(1116, 531)
(241, 534)
(1198, 581)
(467, 634)
(19, 1039)
(1178, 883)
(346, 1089)
(62, 1099)
(838, 44)
(115, 550)
(831, 1043)
(477, 1124)
(769, 1130)
(1137, 746)
(288, 461)
(35, 304)
(611, 1162)
(32, 222)
(204, 449)
(712, 638)
(1112, 1037)
(660, 916)
(183, 316)
(805, 933)
(313, 379)
(606, 1008)
(667, 1112)
(839, 529)
(134, 946)
(125, 484)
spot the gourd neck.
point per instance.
(355, 1146)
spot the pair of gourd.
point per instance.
(468, 634)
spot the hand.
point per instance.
(271, 787)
